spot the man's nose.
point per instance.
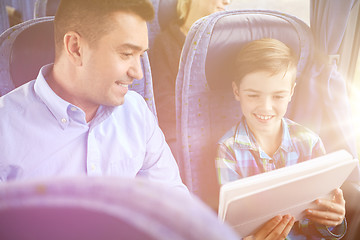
(226, 2)
(135, 70)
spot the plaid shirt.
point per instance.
(240, 156)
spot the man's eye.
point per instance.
(253, 96)
(126, 55)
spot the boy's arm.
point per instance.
(317, 224)
(328, 222)
(226, 164)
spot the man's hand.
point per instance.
(331, 212)
(275, 229)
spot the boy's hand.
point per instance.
(331, 213)
(276, 228)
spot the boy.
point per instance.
(264, 140)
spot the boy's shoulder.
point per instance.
(300, 132)
(229, 136)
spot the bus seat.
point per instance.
(153, 26)
(4, 19)
(166, 12)
(205, 106)
(28, 46)
(45, 8)
(104, 208)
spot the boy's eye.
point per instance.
(279, 97)
(253, 95)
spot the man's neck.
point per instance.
(68, 92)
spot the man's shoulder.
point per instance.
(18, 98)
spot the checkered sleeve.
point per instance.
(318, 231)
(226, 164)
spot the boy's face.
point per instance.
(264, 99)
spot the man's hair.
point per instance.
(266, 54)
(92, 18)
(182, 10)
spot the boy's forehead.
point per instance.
(265, 80)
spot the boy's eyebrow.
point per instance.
(256, 91)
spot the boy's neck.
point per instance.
(269, 141)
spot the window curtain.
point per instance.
(328, 20)
(4, 20)
(26, 7)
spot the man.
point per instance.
(77, 117)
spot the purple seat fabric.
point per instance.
(205, 106)
(26, 47)
(104, 208)
(45, 8)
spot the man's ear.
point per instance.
(236, 91)
(73, 47)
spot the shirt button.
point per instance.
(63, 120)
(271, 161)
(92, 166)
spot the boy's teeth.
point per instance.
(262, 117)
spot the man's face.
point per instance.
(264, 99)
(113, 62)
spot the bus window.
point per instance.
(298, 8)
(349, 65)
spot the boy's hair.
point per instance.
(182, 10)
(92, 19)
(266, 54)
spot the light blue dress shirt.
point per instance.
(42, 135)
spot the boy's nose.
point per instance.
(267, 103)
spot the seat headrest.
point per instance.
(166, 12)
(33, 48)
(231, 32)
(51, 7)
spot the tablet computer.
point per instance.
(248, 203)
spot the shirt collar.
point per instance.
(57, 106)
(246, 139)
(286, 142)
(62, 110)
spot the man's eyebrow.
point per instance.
(133, 47)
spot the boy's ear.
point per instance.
(72, 47)
(292, 91)
(236, 91)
